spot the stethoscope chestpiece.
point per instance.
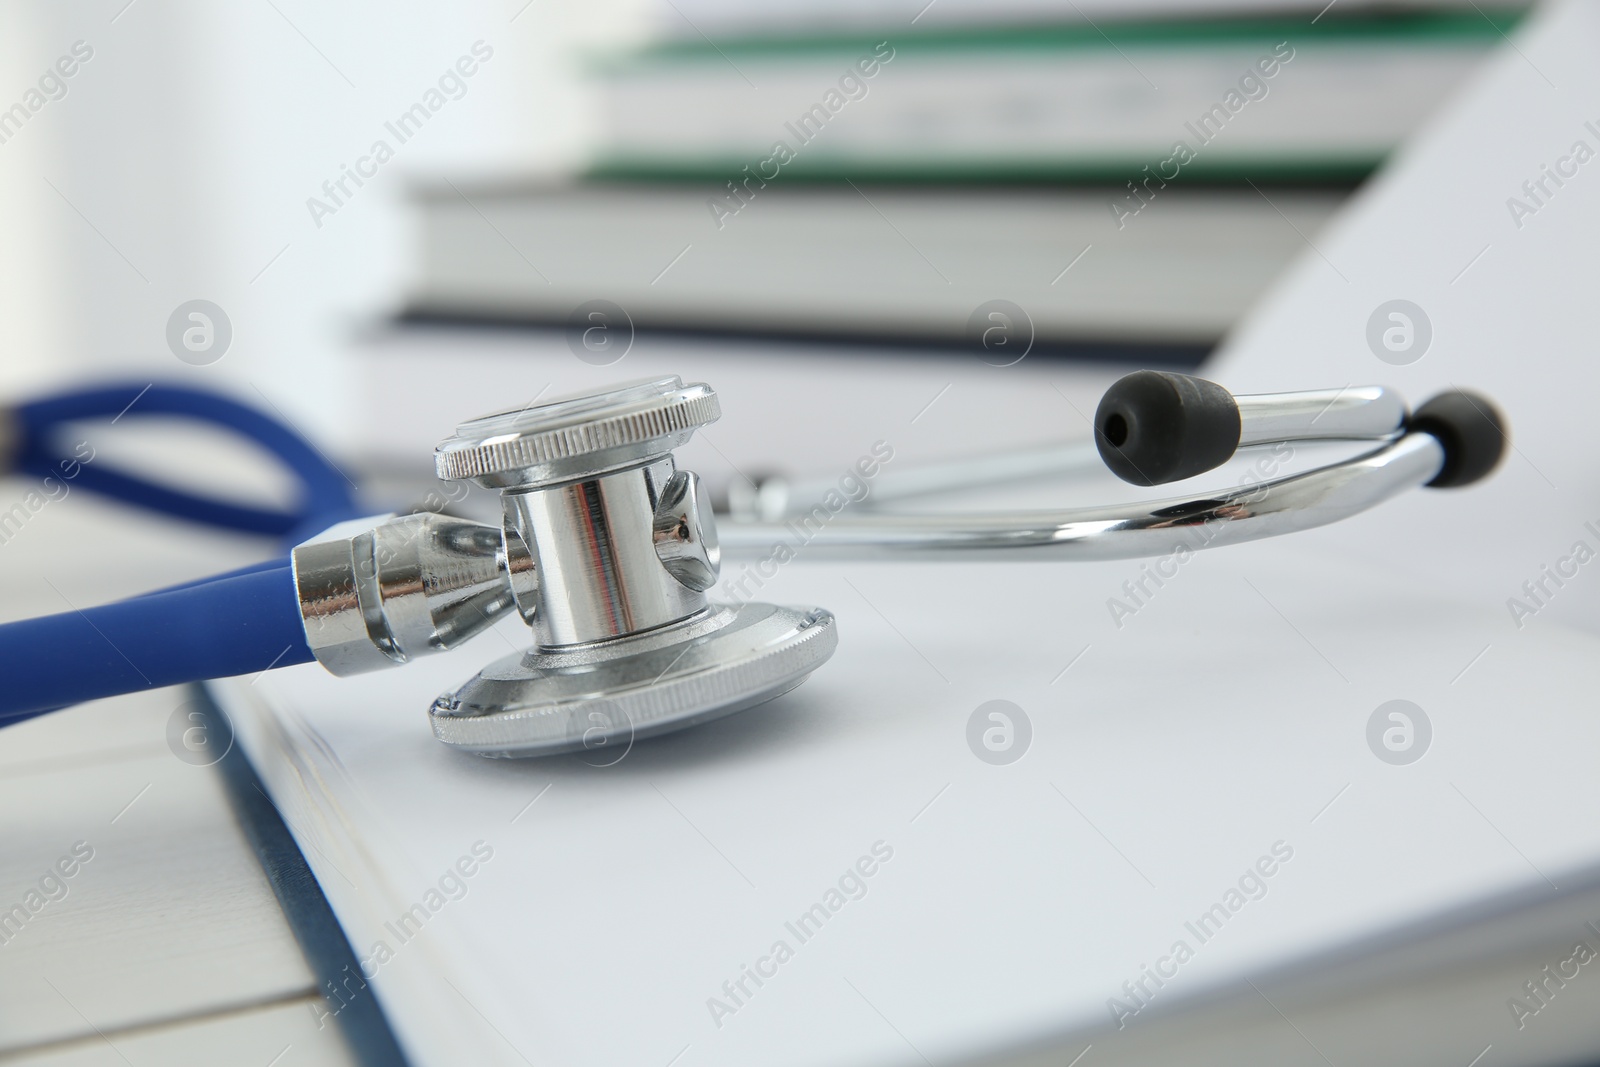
(609, 550)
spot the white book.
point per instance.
(612, 905)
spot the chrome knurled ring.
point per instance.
(562, 431)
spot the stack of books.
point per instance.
(1126, 184)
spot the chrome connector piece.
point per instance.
(380, 592)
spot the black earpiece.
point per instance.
(1153, 427)
(1472, 432)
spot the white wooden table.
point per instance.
(168, 946)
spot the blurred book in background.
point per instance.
(1258, 98)
(899, 264)
(1124, 182)
(696, 19)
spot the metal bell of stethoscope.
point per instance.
(607, 550)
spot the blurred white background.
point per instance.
(179, 162)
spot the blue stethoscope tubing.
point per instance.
(325, 491)
(241, 622)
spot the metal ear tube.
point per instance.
(607, 550)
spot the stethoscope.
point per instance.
(607, 550)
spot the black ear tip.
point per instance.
(1153, 427)
(1472, 431)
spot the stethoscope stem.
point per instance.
(776, 496)
(1129, 531)
(1353, 413)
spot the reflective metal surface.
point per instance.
(590, 544)
(776, 496)
(686, 542)
(1360, 412)
(577, 437)
(609, 550)
(1284, 505)
(1356, 412)
(601, 701)
(380, 592)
